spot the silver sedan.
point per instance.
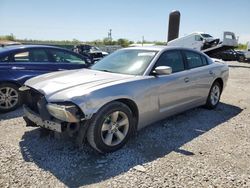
(123, 93)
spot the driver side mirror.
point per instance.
(163, 70)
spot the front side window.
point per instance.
(65, 57)
(194, 59)
(128, 61)
(198, 38)
(228, 36)
(172, 59)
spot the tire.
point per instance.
(110, 128)
(10, 97)
(241, 59)
(213, 98)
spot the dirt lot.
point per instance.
(198, 148)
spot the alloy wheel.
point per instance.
(8, 97)
(115, 128)
(215, 95)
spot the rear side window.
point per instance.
(65, 57)
(36, 56)
(22, 57)
(172, 59)
(194, 59)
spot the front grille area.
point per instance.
(97, 55)
(31, 98)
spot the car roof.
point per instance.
(17, 47)
(161, 48)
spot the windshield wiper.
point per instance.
(104, 70)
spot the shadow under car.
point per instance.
(78, 167)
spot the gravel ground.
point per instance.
(198, 148)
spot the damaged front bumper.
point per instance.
(48, 124)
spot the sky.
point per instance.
(90, 20)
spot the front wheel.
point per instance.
(213, 98)
(110, 128)
(10, 98)
(241, 59)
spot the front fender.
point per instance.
(90, 104)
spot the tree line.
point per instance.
(100, 42)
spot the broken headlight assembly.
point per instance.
(65, 112)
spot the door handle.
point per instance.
(17, 68)
(186, 80)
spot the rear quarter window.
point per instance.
(195, 60)
(204, 60)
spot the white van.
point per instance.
(203, 41)
(197, 40)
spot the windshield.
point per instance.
(206, 35)
(94, 48)
(129, 61)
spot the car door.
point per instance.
(199, 74)
(173, 90)
(65, 60)
(28, 63)
(197, 43)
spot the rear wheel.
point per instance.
(10, 98)
(213, 98)
(110, 128)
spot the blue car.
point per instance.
(22, 62)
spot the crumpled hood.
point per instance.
(72, 81)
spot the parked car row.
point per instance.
(92, 52)
(231, 55)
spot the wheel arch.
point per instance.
(129, 102)
(133, 107)
(220, 81)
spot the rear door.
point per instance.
(173, 90)
(200, 75)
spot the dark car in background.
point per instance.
(230, 55)
(22, 62)
(92, 52)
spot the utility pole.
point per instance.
(110, 35)
(142, 41)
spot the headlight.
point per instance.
(88, 60)
(66, 113)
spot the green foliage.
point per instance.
(123, 42)
(70, 43)
(160, 43)
(242, 46)
(10, 37)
